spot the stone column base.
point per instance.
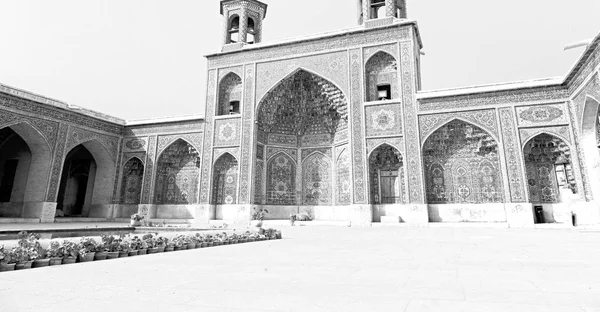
(203, 214)
(234, 214)
(519, 215)
(45, 211)
(361, 215)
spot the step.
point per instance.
(18, 220)
(79, 220)
(390, 219)
(273, 223)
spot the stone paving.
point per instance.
(335, 269)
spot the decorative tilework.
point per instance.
(194, 139)
(324, 151)
(342, 176)
(413, 157)
(358, 157)
(542, 115)
(235, 151)
(397, 142)
(391, 49)
(292, 153)
(514, 161)
(78, 136)
(485, 119)
(316, 140)
(208, 135)
(561, 132)
(248, 133)
(530, 95)
(149, 170)
(282, 139)
(331, 66)
(57, 163)
(135, 144)
(580, 175)
(227, 132)
(383, 120)
(48, 129)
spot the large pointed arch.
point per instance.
(590, 143)
(230, 94)
(490, 131)
(452, 156)
(177, 174)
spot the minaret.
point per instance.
(376, 9)
(242, 21)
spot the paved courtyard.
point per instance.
(335, 269)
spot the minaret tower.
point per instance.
(242, 21)
(377, 9)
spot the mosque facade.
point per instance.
(334, 126)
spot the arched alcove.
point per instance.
(131, 184)
(549, 169)
(281, 180)
(343, 179)
(317, 180)
(230, 95)
(382, 77)
(177, 175)
(462, 165)
(590, 143)
(225, 180)
(386, 173)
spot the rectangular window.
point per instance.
(384, 92)
(8, 179)
(234, 107)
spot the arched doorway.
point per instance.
(87, 182)
(25, 161)
(225, 178)
(299, 122)
(550, 175)
(386, 170)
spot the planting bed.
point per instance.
(29, 252)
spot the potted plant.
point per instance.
(6, 261)
(189, 241)
(87, 249)
(142, 248)
(55, 253)
(258, 215)
(210, 240)
(70, 252)
(136, 219)
(161, 243)
(151, 242)
(179, 242)
(26, 251)
(123, 247)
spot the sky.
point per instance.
(143, 59)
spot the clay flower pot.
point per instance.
(55, 261)
(7, 267)
(169, 248)
(135, 223)
(142, 252)
(133, 253)
(123, 254)
(69, 260)
(101, 255)
(88, 257)
(23, 265)
(191, 246)
(40, 263)
(160, 249)
(151, 251)
(199, 245)
(204, 245)
(112, 255)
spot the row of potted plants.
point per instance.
(29, 253)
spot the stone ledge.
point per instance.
(79, 220)
(19, 220)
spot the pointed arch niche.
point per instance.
(131, 184)
(386, 170)
(225, 178)
(462, 165)
(549, 169)
(25, 161)
(590, 144)
(382, 77)
(299, 122)
(177, 175)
